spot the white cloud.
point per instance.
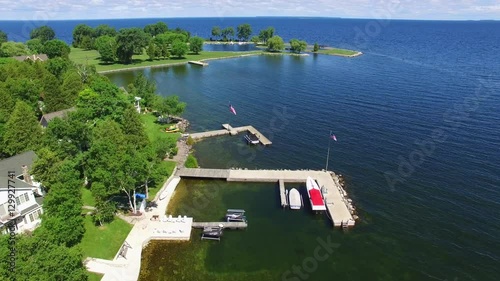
(410, 9)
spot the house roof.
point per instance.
(61, 113)
(40, 57)
(16, 162)
(15, 182)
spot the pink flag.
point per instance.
(231, 108)
(333, 137)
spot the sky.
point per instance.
(387, 9)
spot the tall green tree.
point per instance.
(10, 49)
(133, 128)
(51, 94)
(56, 48)
(57, 66)
(35, 46)
(22, 131)
(3, 37)
(216, 32)
(62, 223)
(297, 46)
(130, 41)
(44, 33)
(275, 44)
(71, 86)
(152, 51)
(104, 29)
(266, 34)
(6, 106)
(106, 46)
(80, 32)
(316, 47)
(144, 88)
(170, 105)
(244, 31)
(156, 28)
(179, 48)
(39, 259)
(196, 44)
(46, 166)
(227, 33)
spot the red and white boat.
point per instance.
(315, 197)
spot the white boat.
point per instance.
(252, 138)
(294, 199)
(315, 197)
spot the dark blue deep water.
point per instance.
(417, 119)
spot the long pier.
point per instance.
(228, 130)
(337, 203)
(225, 224)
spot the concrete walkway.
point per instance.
(154, 225)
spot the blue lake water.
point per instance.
(417, 119)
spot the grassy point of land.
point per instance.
(339, 52)
(104, 241)
(91, 57)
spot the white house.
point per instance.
(27, 194)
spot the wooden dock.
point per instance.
(282, 193)
(200, 63)
(227, 225)
(337, 205)
(203, 173)
(228, 130)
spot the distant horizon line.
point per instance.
(298, 17)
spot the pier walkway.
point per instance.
(336, 202)
(282, 193)
(225, 224)
(228, 130)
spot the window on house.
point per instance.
(26, 197)
(18, 201)
(31, 217)
(39, 211)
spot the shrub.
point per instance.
(191, 162)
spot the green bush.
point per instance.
(191, 162)
(190, 141)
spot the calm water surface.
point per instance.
(422, 104)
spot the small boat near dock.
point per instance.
(294, 199)
(212, 232)
(235, 215)
(252, 138)
(315, 197)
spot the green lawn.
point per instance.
(337, 52)
(104, 242)
(91, 57)
(88, 199)
(157, 131)
(94, 276)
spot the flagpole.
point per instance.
(328, 154)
